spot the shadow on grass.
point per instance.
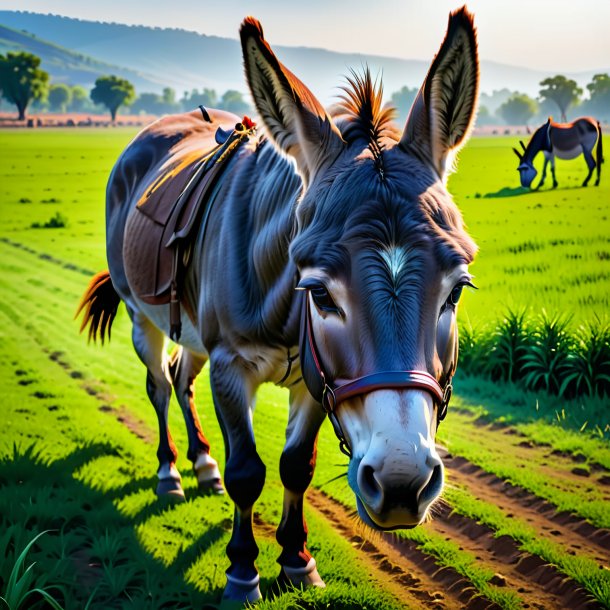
(498, 401)
(508, 191)
(92, 552)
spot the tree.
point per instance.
(60, 97)
(233, 101)
(484, 117)
(152, 103)
(402, 100)
(112, 92)
(563, 91)
(518, 109)
(599, 95)
(22, 80)
(80, 99)
(207, 98)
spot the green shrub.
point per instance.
(541, 355)
(509, 343)
(588, 365)
(57, 221)
(546, 359)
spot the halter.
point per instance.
(331, 394)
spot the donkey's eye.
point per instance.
(323, 300)
(455, 295)
(320, 295)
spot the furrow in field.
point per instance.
(537, 582)
(134, 424)
(407, 570)
(47, 257)
(576, 459)
(573, 532)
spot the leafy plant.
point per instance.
(588, 365)
(21, 583)
(544, 355)
(510, 341)
(58, 221)
(546, 360)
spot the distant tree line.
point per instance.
(24, 84)
(557, 95)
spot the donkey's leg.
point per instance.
(184, 366)
(543, 177)
(555, 183)
(233, 392)
(296, 470)
(149, 343)
(590, 164)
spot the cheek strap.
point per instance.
(330, 392)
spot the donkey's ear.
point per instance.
(443, 112)
(294, 118)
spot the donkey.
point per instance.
(332, 264)
(565, 141)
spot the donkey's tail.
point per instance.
(100, 303)
(600, 150)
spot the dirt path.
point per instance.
(409, 573)
(574, 533)
(536, 581)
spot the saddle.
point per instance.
(170, 217)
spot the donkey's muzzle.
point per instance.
(400, 473)
(393, 498)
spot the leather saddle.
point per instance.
(170, 217)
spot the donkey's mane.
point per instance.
(361, 116)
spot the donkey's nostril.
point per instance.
(370, 489)
(432, 487)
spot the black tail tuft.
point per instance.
(100, 303)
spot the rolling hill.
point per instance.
(185, 60)
(70, 67)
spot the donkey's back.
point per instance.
(151, 172)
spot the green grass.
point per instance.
(493, 454)
(540, 249)
(547, 249)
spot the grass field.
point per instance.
(525, 517)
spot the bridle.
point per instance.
(331, 394)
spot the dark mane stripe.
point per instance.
(364, 118)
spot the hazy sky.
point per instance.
(552, 35)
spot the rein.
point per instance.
(331, 394)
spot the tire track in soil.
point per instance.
(540, 584)
(409, 573)
(572, 531)
(135, 425)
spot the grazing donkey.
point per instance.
(564, 141)
(328, 258)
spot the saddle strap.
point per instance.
(210, 170)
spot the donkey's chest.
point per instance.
(277, 365)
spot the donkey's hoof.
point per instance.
(243, 591)
(303, 577)
(213, 487)
(170, 488)
(208, 475)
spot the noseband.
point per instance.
(331, 394)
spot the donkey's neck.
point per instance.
(253, 228)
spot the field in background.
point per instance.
(543, 249)
(525, 519)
